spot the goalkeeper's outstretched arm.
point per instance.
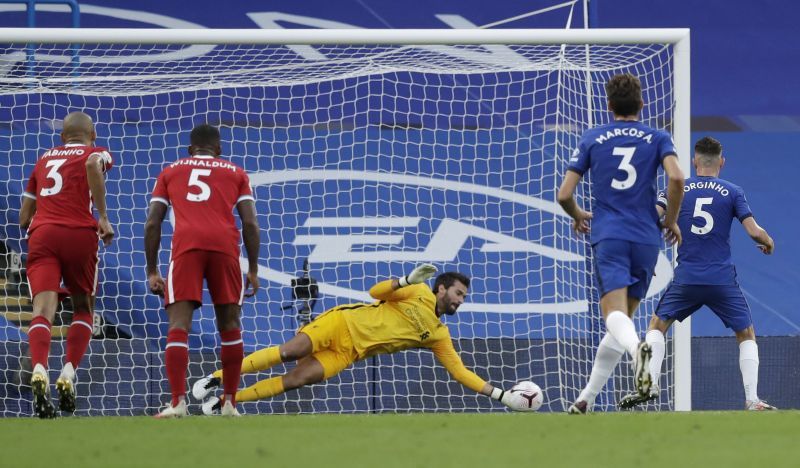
(447, 355)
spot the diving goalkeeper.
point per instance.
(407, 315)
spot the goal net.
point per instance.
(365, 160)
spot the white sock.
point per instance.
(621, 327)
(609, 352)
(748, 364)
(656, 341)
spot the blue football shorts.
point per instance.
(620, 264)
(726, 301)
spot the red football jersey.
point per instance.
(60, 187)
(203, 191)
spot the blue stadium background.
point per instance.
(743, 65)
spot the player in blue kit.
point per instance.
(705, 275)
(623, 157)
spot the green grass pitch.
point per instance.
(409, 440)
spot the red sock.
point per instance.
(39, 340)
(231, 356)
(78, 336)
(176, 358)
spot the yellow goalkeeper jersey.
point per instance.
(402, 319)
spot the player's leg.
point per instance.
(614, 305)
(611, 272)
(183, 294)
(310, 370)
(748, 365)
(296, 348)
(612, 269)
(643, 259)
(677, 303)
(656, 338)
(176, 356)
(312, 338)
(224, 278)
(333, 352)
(44, 278)
(79, 263)
(78, 337)
(231, 347)
(609, 352)
(729, 304)
(44, 309)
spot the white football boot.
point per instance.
(40, 386)
(204, 386)
(229, 410)
(759, 405)
(65, 385)
(642, 370)
(170, 412)
(212, 406)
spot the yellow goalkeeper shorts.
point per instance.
(331, 343)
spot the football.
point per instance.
(531, 393)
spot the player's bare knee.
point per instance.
(81, 302)
(748, 333)
(656, 323)
(228, 317)
(614, 300)
(45, 304)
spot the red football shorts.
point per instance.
(222, 273)
(56, 252)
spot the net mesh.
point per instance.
(363, 164)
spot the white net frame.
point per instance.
(419, 117)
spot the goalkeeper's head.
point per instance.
(78, 128)
(624, 93)
(205, 140)
(450, 289)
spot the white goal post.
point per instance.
(369, 151)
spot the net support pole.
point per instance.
(682, 331)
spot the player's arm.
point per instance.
(27, 210)
(96, 165)
(567, 201)
(392, 290)
(252, 242)
(446, 354)
(152, 242)
(661, 204)
(741, 209)
(674, 198)
(759, 235)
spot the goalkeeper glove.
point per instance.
(418, 275)
(511, 400)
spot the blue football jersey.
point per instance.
(709, 206)
(623, 159)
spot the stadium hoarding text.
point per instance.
(444, 244)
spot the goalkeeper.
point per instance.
(406, 315)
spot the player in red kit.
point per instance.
(203, 190)
(62, 245)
